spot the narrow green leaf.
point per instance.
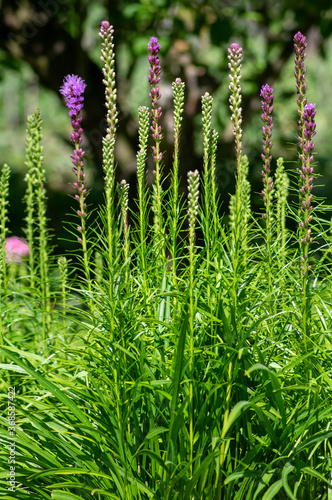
(273, 490)
(154, 457)
(105, 493)
(287, 469)
(240, 475)
(10, 367)
(156, 432)
(263, 483)
(235, 413)
(61, 495)
(314, 473)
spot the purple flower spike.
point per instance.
(267, 109)
(73, 89)
(154, 78)
(301, 86)
(306, 177)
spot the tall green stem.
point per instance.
(193, 193)
(4, 192)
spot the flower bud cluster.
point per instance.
(207, 101)
(143, 132)
(178, 93)
(300, 70)
(124, 201)
(267, 109)
(108, 58)
(193, 195)
(235, 59)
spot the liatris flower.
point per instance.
(178, 97)
(235, 60)
(178, 88)
(143, 133)
(267, 109)
(193, 195)
(207, 101)
(124, 190)
(154, 78)
(108, 59)
(306, 158)
(300, 71)
(307, 180)
(72, 89)
(107, 51)
(16, 248)
(4, 193)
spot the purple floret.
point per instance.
(154, 46)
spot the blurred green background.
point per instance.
(43, 41)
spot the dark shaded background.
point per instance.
(57, 37)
